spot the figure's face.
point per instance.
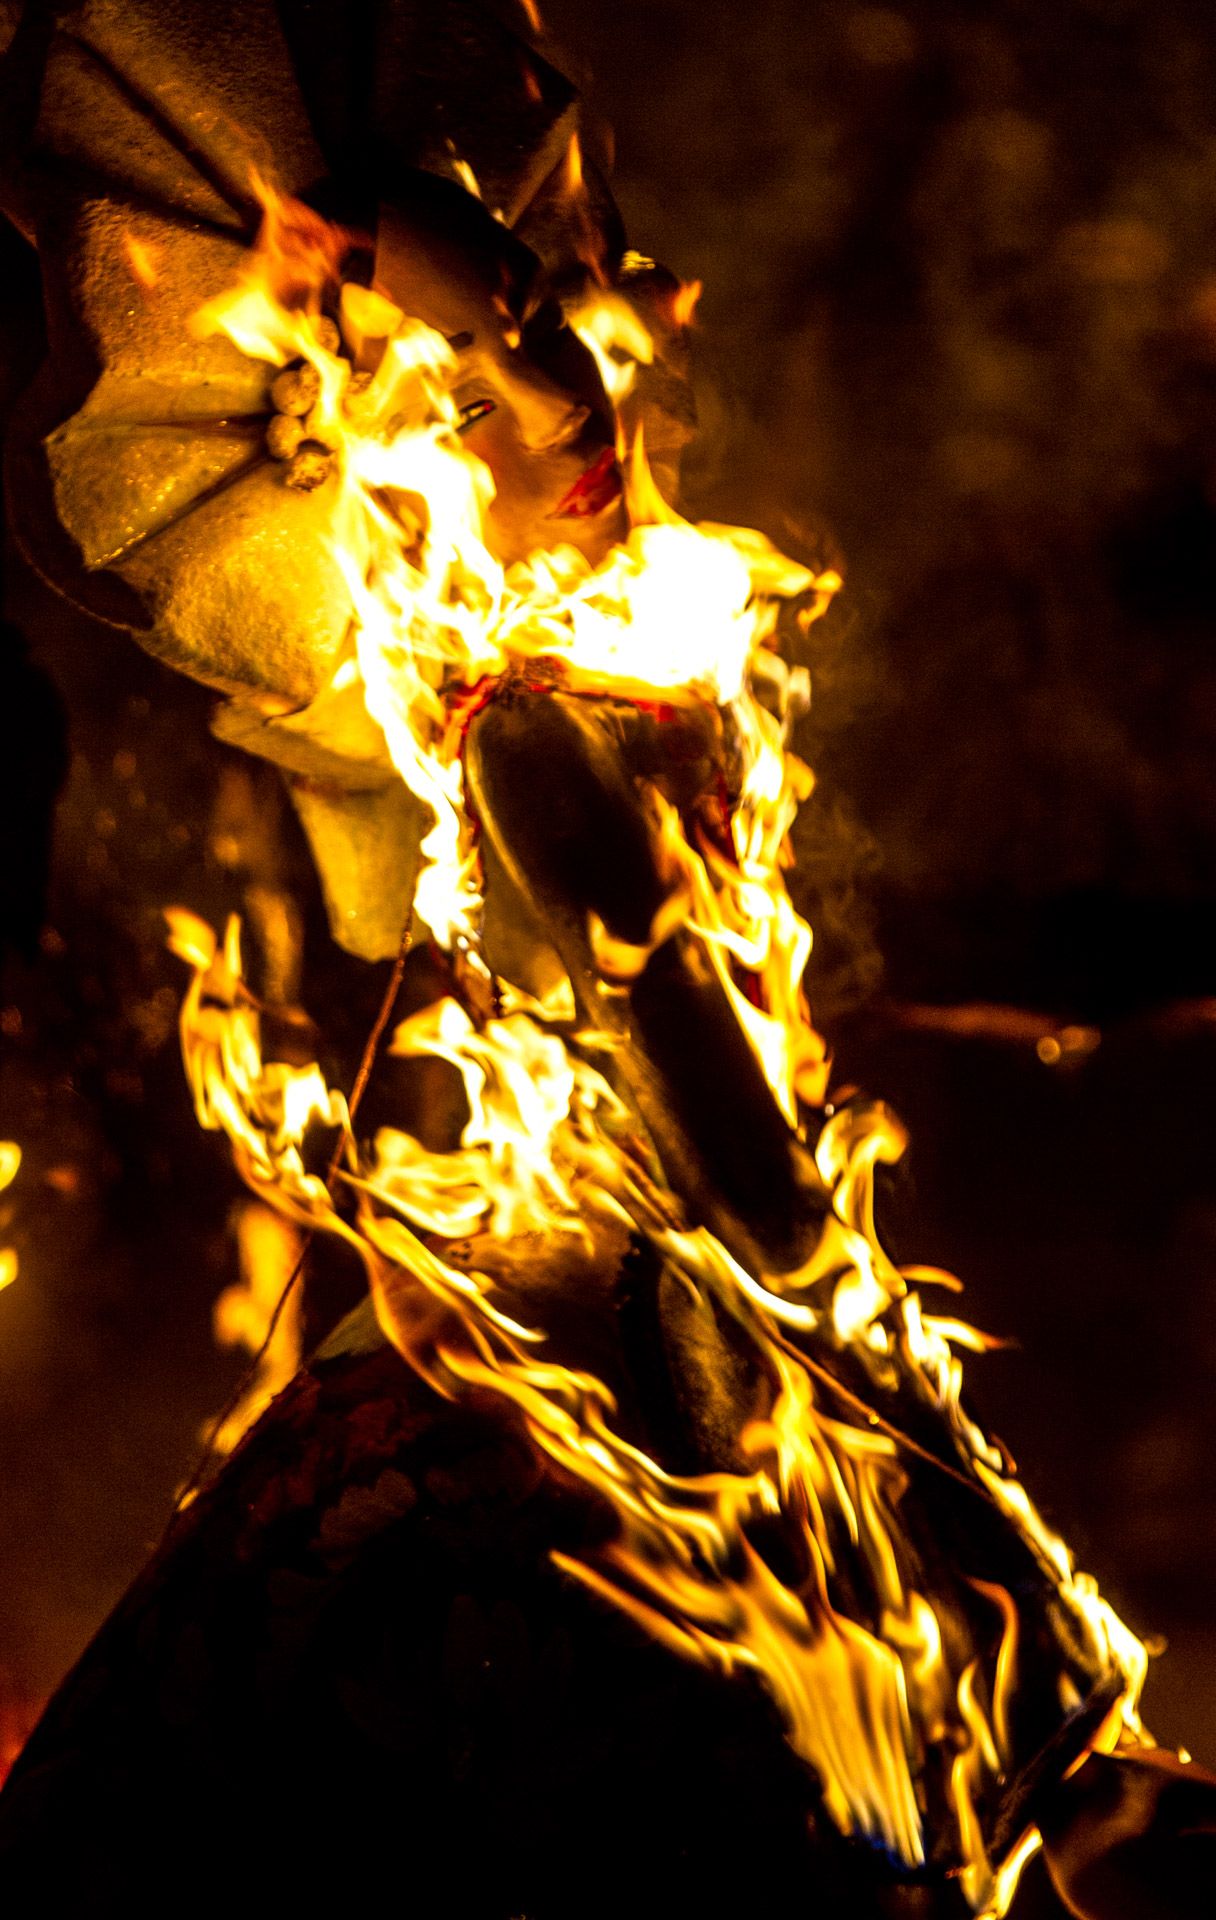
(532, 403)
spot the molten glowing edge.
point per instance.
(259, 1315)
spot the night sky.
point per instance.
(958, 333)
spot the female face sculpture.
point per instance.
(531, 400)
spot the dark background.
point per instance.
(958, 327)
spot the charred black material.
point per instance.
(550, 779)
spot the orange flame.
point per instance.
(261, 1314)
(684, 304)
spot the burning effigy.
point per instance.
(360, 411)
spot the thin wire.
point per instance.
(367, 1061)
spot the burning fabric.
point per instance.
(385, 480)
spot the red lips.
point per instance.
(595, 490)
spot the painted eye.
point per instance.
(474, 411)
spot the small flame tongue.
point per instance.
(18, 1718)
(676, 614)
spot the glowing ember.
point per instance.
(681, 617)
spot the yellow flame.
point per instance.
(675, 614)
(685, 303)
(261, 1313)
(616, 336)
(537, 1120)
(264, 1107)
(549, 1144)
(467, 178)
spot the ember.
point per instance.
(17, 1720)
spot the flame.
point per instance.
(588, 240)
(549, 1146)
(260, 1314)
(684, 306)
(10, 1161)
(876, 1696)
(466, 176)
(19, 1715)
(265, 1108)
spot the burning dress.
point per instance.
(633, 1546)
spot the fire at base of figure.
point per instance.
(850, 1537)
